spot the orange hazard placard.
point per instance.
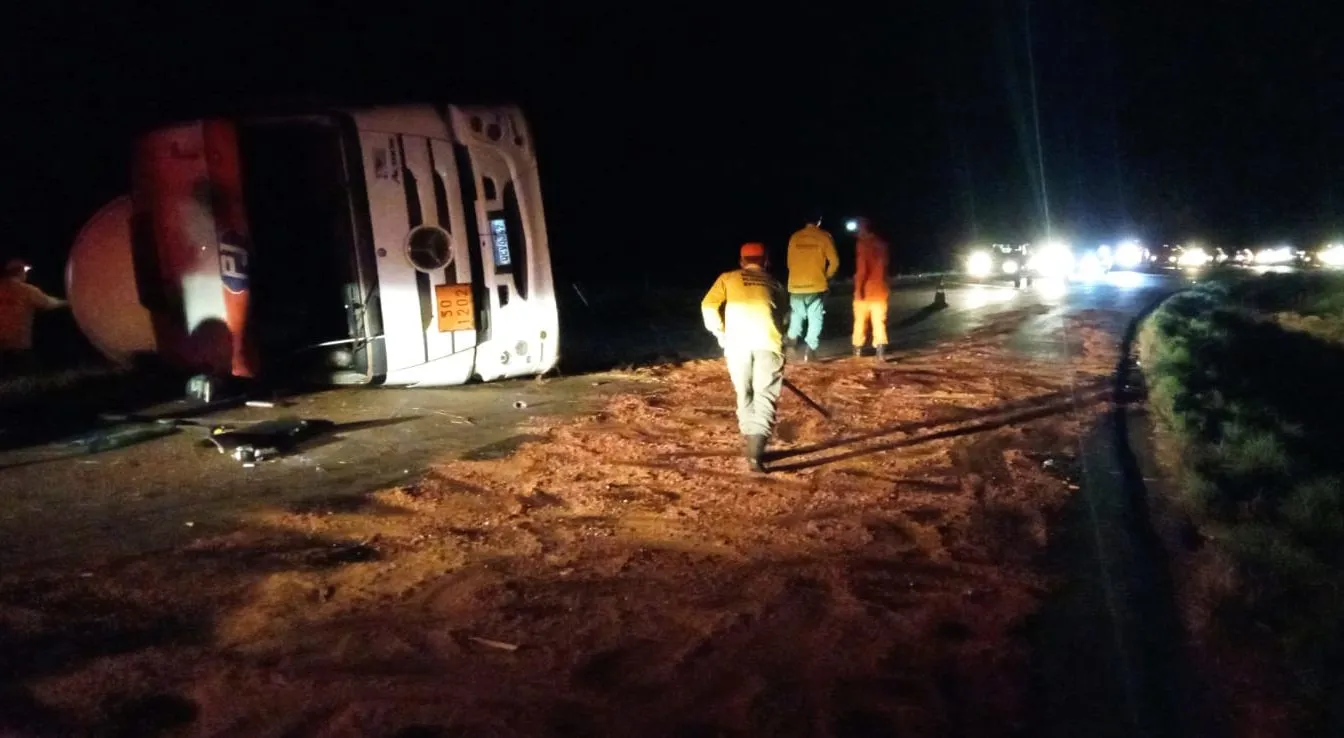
(457, 310)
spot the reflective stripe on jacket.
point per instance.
(748, 308)
(812, 260)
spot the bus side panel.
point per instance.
(367, 317)
(449, 356)
(389, 219)
(541, 280)
(524, 319)
(459, 271)
(421, 190)
(176, 249)
(232, 239)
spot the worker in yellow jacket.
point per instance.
(745, 312)
(812, 264)
(19, 301)
(870, 290)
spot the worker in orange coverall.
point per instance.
(745, 310)
(19, 300)
(870, 291)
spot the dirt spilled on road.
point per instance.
(617, 574)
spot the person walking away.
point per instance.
(745, 312)
(812, 264)
(19, 300)
(870, 290)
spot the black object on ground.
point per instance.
(266, 439)
(790, 386)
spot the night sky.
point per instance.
(668, 138)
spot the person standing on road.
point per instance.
(870, 290)
(812, 263)
(745, 312)
(19, 300)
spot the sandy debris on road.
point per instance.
(619, 573)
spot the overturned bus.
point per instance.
(402, 246)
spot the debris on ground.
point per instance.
(121, 435)
(266, 439)
(877, 581)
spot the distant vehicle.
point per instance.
(1164, 257)
(1129, 255)
(999, 262)
(400, 246)
(1191, 257)
(1331, 256)
(1276, 257)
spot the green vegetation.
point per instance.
(1249, 374)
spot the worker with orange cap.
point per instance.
(19, 300)
(870, 290)
(746, 310)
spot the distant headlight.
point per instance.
(1053, 260)
(1333, 256)
(1193, 258)
(980, 264)
(1280, 255)
(1128, 256)
(1010, 266)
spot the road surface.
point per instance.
(949, 555)
(57, 504)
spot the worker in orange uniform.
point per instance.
(870, 290)
(745, 310)
(812, 264)
(19, 300)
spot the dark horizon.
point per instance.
(683, 136)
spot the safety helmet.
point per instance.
(752, 251)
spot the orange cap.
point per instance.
(753, 251)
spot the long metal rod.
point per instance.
(790, 386)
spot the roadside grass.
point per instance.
(1249, 374)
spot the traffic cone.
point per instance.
(940, 297)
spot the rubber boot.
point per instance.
(858, 351)
(755, 450)
(881, 350)
(808, 353)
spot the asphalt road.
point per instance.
(57, 505)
